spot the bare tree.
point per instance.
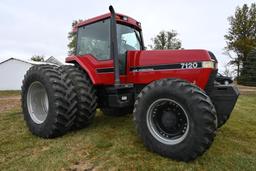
(38, 58)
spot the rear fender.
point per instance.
(101, 72)
(86, 66)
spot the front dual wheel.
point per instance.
(175, 119)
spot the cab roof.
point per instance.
(120, 18)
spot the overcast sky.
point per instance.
(34, 27)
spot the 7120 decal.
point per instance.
(189, 65)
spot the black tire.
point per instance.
(117, 111)
(61, 105)
(85, 95)
(199, 128)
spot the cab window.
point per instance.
(94, 39)
(127, 39)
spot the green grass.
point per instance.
(112, 143)
(9, 93)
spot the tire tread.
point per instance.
(196, 96)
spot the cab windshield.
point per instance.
(127, 38)
(94, 39)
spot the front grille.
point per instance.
(210, 85)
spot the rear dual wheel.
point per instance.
(85, 95)
(48, 104)
(57, 99)
(175, 119)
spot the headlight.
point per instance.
(208, 64)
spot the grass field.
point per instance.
(9, 93)
(111, 143)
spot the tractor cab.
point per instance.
(98, 37)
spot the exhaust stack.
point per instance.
(114, 45)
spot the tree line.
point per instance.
(241, 43)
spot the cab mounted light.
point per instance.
(125, 18)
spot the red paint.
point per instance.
(131, 22)
(198, 76)
(90, 64)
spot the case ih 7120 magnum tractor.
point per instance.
(177, 108)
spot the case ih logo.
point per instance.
(186, 65)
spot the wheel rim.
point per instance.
(167, 121)
(226, 82)
(37, 102)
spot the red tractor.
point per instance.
(177, 108)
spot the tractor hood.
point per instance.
(195, 66)
(167, 57)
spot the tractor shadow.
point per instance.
(108, 124)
